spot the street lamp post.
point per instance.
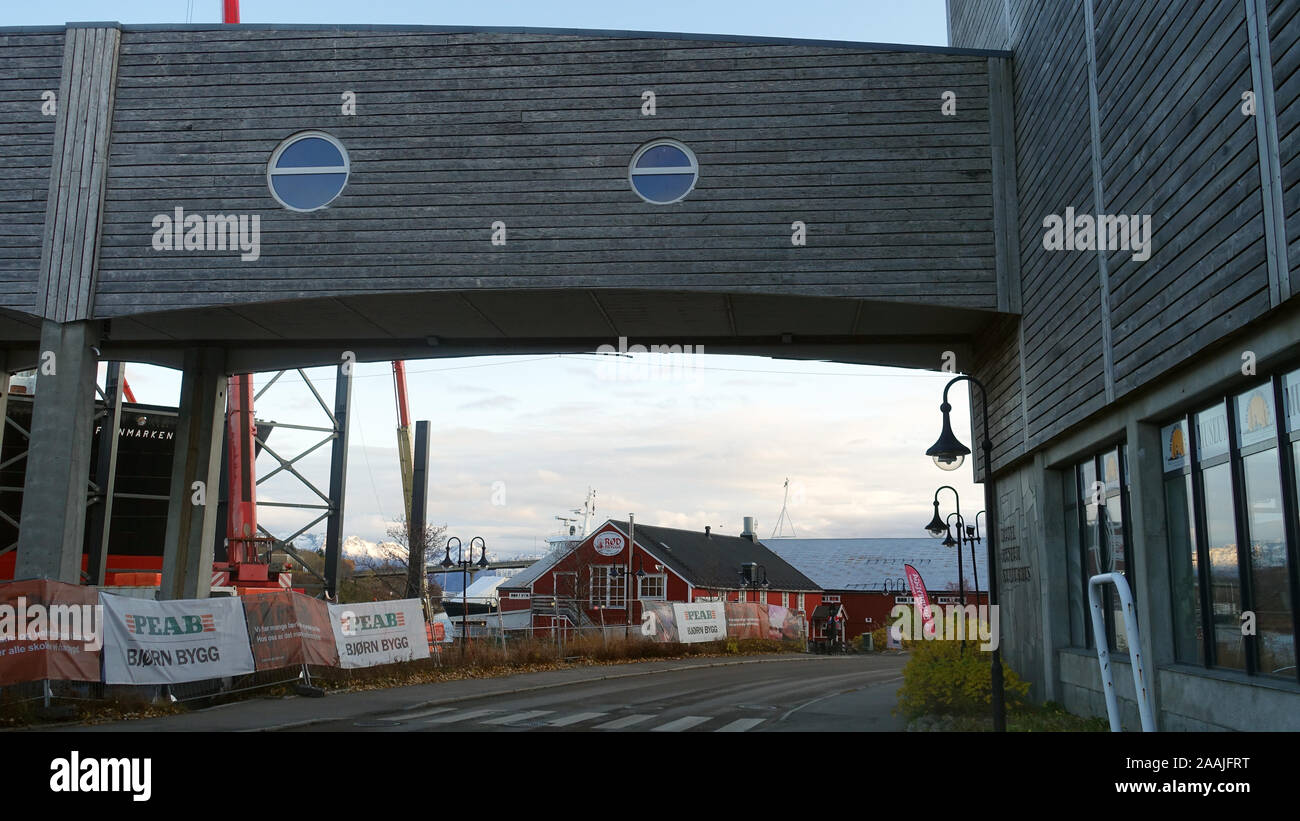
(949, 453)
(465, 562)
(938, 526)
(616, 572)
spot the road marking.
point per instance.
(465, 716)
(565, 721)
(683, 723)
(740, 725)
(423, 713)
(832, 695)
(623, 723)
(524, 716)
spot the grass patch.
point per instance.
(1026, 718)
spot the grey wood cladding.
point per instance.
(69, 252)
(1284, 46)
(1177, 146)
(456, 131)
(32, 64)
(1172, 143)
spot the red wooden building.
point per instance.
(603, 581)
(865, 577)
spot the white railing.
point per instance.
(1141, 690)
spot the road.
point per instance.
(846, 694)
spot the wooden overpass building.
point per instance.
(227, 199)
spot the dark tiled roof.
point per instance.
(714, 561)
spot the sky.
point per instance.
(517, 441)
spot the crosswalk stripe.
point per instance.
(565, 721)
(624, 722)
(683, 723)
(465, 716)
(524, 716)
(740, 725)
(422, 714)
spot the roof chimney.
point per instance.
(748, 531)
(706, 532)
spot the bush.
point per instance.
(945, 678)
(880, 636)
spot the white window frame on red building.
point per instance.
(613, 596)
(661, 578)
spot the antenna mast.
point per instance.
(785, 514)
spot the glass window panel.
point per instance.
(1185, 581)
(1087, 476)
(307, 191)
(1174, 438)
(1212, 432)
(663, 156)
(1110, 469)
(310, 152)
(1074, 575)
(1225, 583)
(1112, 526)
(1291, 396)
(1256, 421)
(663, 187)
(1270, 584)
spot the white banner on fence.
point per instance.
(701, 621)
(370, 633)
(165, 642)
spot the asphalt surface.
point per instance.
(849, 694)
(755, 694)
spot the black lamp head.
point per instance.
(948, 453)
(936, 526)
(949, 541)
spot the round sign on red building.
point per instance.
(609, 543)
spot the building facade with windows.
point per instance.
(1143, 401)
(603, 580)
(866, 577)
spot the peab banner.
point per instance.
(166, 642)
(700, 621)
(370, 633)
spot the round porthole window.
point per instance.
(663, 172)
(307, 171)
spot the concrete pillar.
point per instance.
(192, 511)
(1150, 551)
(1054, 588)
(53, 521)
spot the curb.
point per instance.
(437, 702)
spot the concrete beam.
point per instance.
(192, 511)
(53, 520)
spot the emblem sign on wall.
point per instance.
(609, 543)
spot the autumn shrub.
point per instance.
(946, 678)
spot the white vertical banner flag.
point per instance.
(165, 642)
(370, 633)
(701, 621)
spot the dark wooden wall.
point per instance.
(456, 130)
(30, 63)
(1172, 142)
(1176, 145)
(1284, 30)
